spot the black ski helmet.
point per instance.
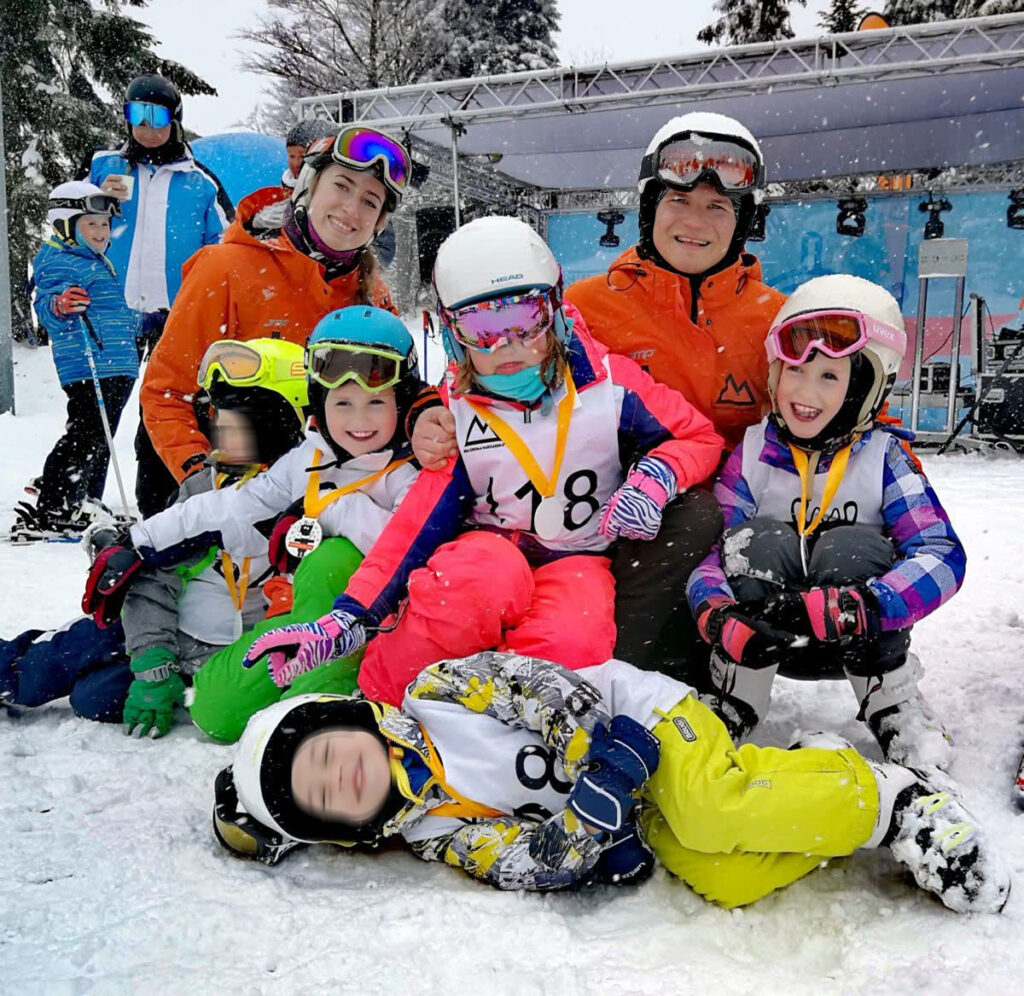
(652, 187)
(309, 130)
(149, 88)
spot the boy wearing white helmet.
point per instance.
(80, 304)
(528, 776)
(835, 542)
(562, 448)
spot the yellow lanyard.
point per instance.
(545, 485)
(832, 481)
(462, 807)
(238, 591)
(313, 504)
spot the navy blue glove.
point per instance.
(621, 759)
(625, 860)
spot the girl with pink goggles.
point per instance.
(834, 333)
(488, 325)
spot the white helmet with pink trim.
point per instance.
(870, 382)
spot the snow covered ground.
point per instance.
(111, 881)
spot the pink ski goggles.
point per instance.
(834, 333)
(488, 325)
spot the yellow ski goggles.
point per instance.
(274, 364)
(374, 369)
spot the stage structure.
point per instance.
(905, 112)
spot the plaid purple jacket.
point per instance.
(930, 559)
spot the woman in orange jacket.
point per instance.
(285, 262)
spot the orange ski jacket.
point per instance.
(243, 288)
(708, 344)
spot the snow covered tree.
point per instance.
(504, 36)
(842, 15)
(63, 66)
(746, 21)
(923, 11)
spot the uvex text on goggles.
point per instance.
(684, 162)
(333, 363)
(137, 112)
(834, 333)
(487, 325)
(361, 148)
(90, 204)
(241, 365)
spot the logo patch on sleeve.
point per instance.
(685, 730)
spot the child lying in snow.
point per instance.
(514, 769)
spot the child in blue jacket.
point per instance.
(80, 303)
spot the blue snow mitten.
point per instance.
(621, 758)
(626, 859)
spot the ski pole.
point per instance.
(87, 331)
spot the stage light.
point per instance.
(609, 240)
(1015, 212)
(850, 220)
(933, 227)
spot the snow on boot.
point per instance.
(904, 726)
(740, 695)
(820, 740)
(934, 835)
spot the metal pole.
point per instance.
(954, 355)
(455, 173)
(87, 331)
(979, 336)
(6, 350)
(922, 310)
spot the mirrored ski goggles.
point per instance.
(90, 204)
(238, 831)
(488, 325)
(334, 363)
(686, 161)
(834, 333)
(137, 112)
(361, 148)
(243, 366)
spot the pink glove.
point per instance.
(634, 511)
(301, 647)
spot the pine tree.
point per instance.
(843, 15)
(488, 37)
(746, 21)
(63, 67)
(899, 12)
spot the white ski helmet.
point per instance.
(870, 382)
(261, 771)
(490, 257)
(69, 201)
(651, 186)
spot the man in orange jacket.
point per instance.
(686, 303)
(285, 262)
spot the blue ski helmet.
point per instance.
(376, 351)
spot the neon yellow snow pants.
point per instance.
(736, 823)
(226, 694)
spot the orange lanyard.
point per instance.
(545, 485)
(237, 591)
(313, 504)
(462, 807)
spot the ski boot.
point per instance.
(33, 525)
(896, 713)
(932, 833)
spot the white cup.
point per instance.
(128, 181)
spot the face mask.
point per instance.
(523, 385)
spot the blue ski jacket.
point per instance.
(175, 209)
(59, 265)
